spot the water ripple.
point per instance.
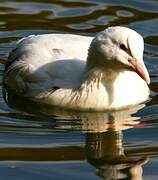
(29, 134)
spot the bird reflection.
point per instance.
(105, 151)
(104, 147)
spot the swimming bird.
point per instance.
(105, 72)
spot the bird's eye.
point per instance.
(123, 47)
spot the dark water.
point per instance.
(37, 141)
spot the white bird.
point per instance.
(99, 73)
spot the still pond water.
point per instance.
(37, 141)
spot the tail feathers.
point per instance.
(14, 78)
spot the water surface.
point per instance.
(37, 141)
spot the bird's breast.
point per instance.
(129, 89)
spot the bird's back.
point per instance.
(45, 61)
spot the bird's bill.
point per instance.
(136, 51)
(140, 69)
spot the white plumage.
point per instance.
(79, 72)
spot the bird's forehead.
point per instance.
(118, 35)
(115, 34)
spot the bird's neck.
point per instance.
(95, 92)
(109, 89)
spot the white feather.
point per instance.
(40, 63)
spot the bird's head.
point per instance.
(118, 46)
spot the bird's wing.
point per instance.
(45, 61)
